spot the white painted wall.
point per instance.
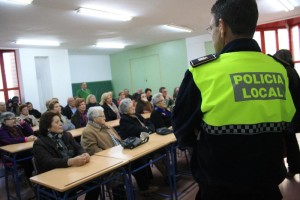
(89, 68)
(59, 74)
(196, 47)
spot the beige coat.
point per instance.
(95, 139)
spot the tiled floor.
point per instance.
(290, 188)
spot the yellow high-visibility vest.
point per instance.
(243, 88)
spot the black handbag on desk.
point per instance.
(132, 142)
(163, 131)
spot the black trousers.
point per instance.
(242, 193)
(292, 153)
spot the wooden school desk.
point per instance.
(9, 155)
(62, 181)
(155, 142)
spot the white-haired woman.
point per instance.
(160, 116)
(110, 109)
(97, 136)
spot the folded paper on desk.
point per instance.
(163, 131)
(132, 142)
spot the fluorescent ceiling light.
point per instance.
(23, 2)
(178, 28)
(286, 5)
(38, 42)
(110, 45)
(103, 14)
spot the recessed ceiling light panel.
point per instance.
(38, 42)
(110, 45)
(103, 14)
(177, 28)
(22, 2)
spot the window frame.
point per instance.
(5, 89)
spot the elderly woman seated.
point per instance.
(132, 124)
(160, 116)
(91, 101)
(79, 118)
(97, 136)
(143, 105)
(24, 114)
(57, 149)
(110, 109)
(54, 106)
(15, 130)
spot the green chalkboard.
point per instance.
(97, 88)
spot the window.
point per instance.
(9, 81)
(283, 34)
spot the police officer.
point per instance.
(234, 109)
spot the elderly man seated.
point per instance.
(97, 136)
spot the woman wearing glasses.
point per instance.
(15, 130)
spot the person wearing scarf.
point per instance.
(58, 149)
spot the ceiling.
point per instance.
(57, 20)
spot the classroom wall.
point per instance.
(170, 56)
(59, 74)
(89, 68)
(198, 46)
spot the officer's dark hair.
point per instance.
(240, 15)
(46, 122)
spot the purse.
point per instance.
(163, 131)
(132, 142)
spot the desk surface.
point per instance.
(155, 142)
(63, 179)
(15, 148)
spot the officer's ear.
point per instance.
(222, 28)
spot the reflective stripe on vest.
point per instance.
(244, 88)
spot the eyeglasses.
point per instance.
(11, 118)
(101, 116)
(209, 29)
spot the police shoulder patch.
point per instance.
(199, 61)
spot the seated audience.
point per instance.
(54, 106)
(175, 93)
(169, 101)
(121, 97)
(24, 114)
(132, 124)
(58, 149)
(2, 107)
(143, 105)
(91, 101)
(33, 111)
(110, 109)
(79, 118)
(148, 92)
(70, 108)
(15, 130)
(96, 137)
(12, 105)
(127, 95)
(160, 116)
